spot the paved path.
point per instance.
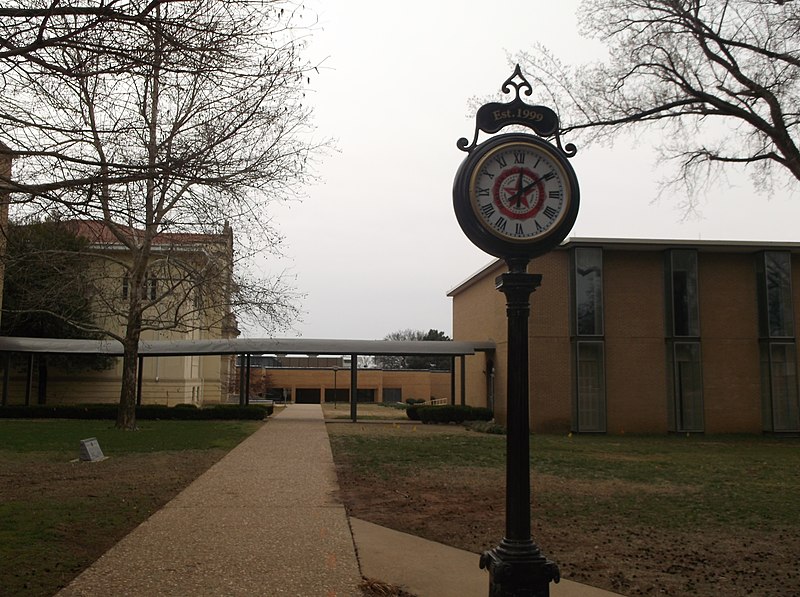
(429, 569)
(266, 521)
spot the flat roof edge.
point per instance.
(246, 346)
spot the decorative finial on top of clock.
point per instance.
(517, 85)
(494, 116)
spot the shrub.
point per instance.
(145, 412)
(255, 412)
(412, 412)
(71, 411)
(413, 401)
(453, 414)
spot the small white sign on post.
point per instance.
(90, 450)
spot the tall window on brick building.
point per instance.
(780, 408)
(684, 355)
(589, 395)
(588, 276)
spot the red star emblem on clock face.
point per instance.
(518, 193)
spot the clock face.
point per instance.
(516, 196)
(520, 192)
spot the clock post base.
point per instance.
(518, 569)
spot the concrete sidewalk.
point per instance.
(266, 520)
(429, 569)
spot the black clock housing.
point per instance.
(476, 228)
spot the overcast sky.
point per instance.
(375, 246)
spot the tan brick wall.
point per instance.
(729, 332)
(421, 385)
(479, 314)
(549, 347)
(166, 380)
(636, 377)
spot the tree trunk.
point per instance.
(126, 413)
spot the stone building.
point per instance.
(188, 283)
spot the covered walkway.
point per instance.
(246, 347)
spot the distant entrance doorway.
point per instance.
(366, 395)
(307, 396)
(337, 395)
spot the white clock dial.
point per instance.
(519, 192)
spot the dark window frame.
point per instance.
(682, 329)
(682, 294)
(587, 323)
(775, 305)
(589, 409)
(687, 412)
(780, 406)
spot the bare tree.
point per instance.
(414, 361)
(718, 78)
(164, 125)
(30, 26)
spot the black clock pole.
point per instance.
(516, 197)
(517, 567)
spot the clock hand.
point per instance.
(519, 192)
(530, 186)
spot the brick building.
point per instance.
(632, 336)
(318, 380)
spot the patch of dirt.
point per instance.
(465, 508)
(100, 502)
(158, 474)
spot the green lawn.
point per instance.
(61, 437)
(749, 482)
(667, 515)
(746, 480)
(57, 514)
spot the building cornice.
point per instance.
(648, 245)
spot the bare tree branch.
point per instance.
(167, 124)
(698, 69)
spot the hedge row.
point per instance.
(182, 412)
(448, 414)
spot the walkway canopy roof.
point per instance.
(153, 348)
